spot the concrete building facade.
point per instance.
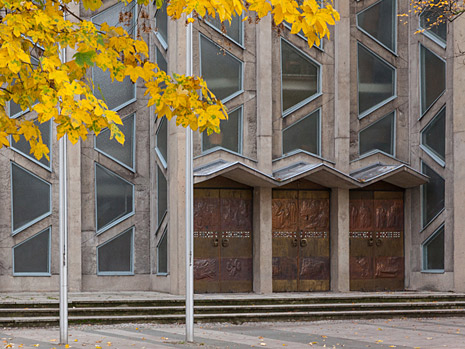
(339, 168)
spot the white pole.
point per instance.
(189, 208)
(63, 243)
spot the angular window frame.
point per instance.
(132, 100)
(226, 35)
(422, 202)
(424, 255)
(163, 161)
(425, 147)
(394, 52)
(420, 45)
(319, 83)
(164, 235)
(38, 219)
(430, 35)
(133, 168)
(227, 52)
(394, 137)
(159, 36)
(115, 273)
(49, 273)
(162, 218)
(240, 136)
(383, 103)
(31, 157)
(295, 151)
(121, 219)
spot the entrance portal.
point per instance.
(300, 240)
(222, 240)
(376, 241)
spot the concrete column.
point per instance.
(262, 244)
(264, 95)
(342, 86)
(339, 237)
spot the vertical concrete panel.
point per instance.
(339, 240)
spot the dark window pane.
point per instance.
(379, 21)
(162, 193)
(432, 78)
(33, 255)
(221, 70)
(434, 135)
(30, 195)
(123, 153)
(433, 251)
(15, 109)
(162, 253)
(161, 61)
(161, 22)
(433, 194)
(233, 30)
(229, 137)
(378, 136)
(23, 146)
(114, 93)
(299, 74)
(376, 80)
(429, 21)
(162, 139)
(115, 255)
(114, 197)
(304, 135)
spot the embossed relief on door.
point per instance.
(376, 241)
(300, 240)
(222, 240)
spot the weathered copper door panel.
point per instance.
(222, 240)
(376, 241)
(300, 240)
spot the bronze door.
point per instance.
(300, 240)
(222, 240)
(376, 241)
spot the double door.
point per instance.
(300, 240)
(222, 240)
(376, 241)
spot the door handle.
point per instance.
(215, 242)
(294, 242)
(303, 242)
(371, 242)
(379, 242)
(225, 242)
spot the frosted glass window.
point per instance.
(161, 23)
(32, 256)
(233, 30)
(221, 70)
(161, 61)
(114, 93)
(31, 198)
(162, 140)
(115, 255)
(121, 153)
(376, 81)
(379, 136)
(379, 22)
(15, 109)
(432, 78)
(115, 198)
(230, 135)
(303, 135)
(432, 195)
(433, 251)
(162, 254)
(24, 148)
(433, 137)
(162, 194)
(300, 77)
(429, 22)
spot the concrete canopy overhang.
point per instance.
(321, 174)
(402, 175)
(236, 171)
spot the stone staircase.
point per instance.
(233, 308)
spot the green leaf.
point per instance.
(83, 58)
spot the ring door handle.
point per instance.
(225, 242)
(215, 242)
(303, 242)
(379, 242)
(371, 242)
(295, 242)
